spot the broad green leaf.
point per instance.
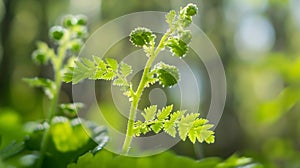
(47, 85)
(125, 69)
(165, 159)
(141, 36)
(149, 113)
(167, 75)
(165, 112)
(177, 46)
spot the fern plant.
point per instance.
(62, 137)
(176, 39)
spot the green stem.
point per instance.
(139, 91)
(57, 64)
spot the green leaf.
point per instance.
(165, 159)
(120, 82)
(167, 75)
(87, 63)
(81, 72)
(170, 17)
(110, 75)
(165, 112)
(149, 113)
(234, 161)
(156, 127)
(65, 137)
(169, 126)
(47, 85)
(125, 69)
(151, 79)
(112, 63)
(177, 46)
(141, 36)
(185, 124)
(201, 131)
(99, 62)
(92, 69)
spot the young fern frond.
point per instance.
(186, 125)
(177, 40)
(108, 69)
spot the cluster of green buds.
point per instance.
(73, 30)
(70, 36)
(178, 38)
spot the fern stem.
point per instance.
(139, 91)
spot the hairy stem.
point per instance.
(139, 91)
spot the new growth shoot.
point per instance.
(177, 39)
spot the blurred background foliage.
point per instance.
(258, 41)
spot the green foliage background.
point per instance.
(261, 117)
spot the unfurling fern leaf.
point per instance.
(189, 125)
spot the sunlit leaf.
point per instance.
(177, 46)
(167, 75)
(141, 36)
(149, 113)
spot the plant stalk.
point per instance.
(139, 91)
